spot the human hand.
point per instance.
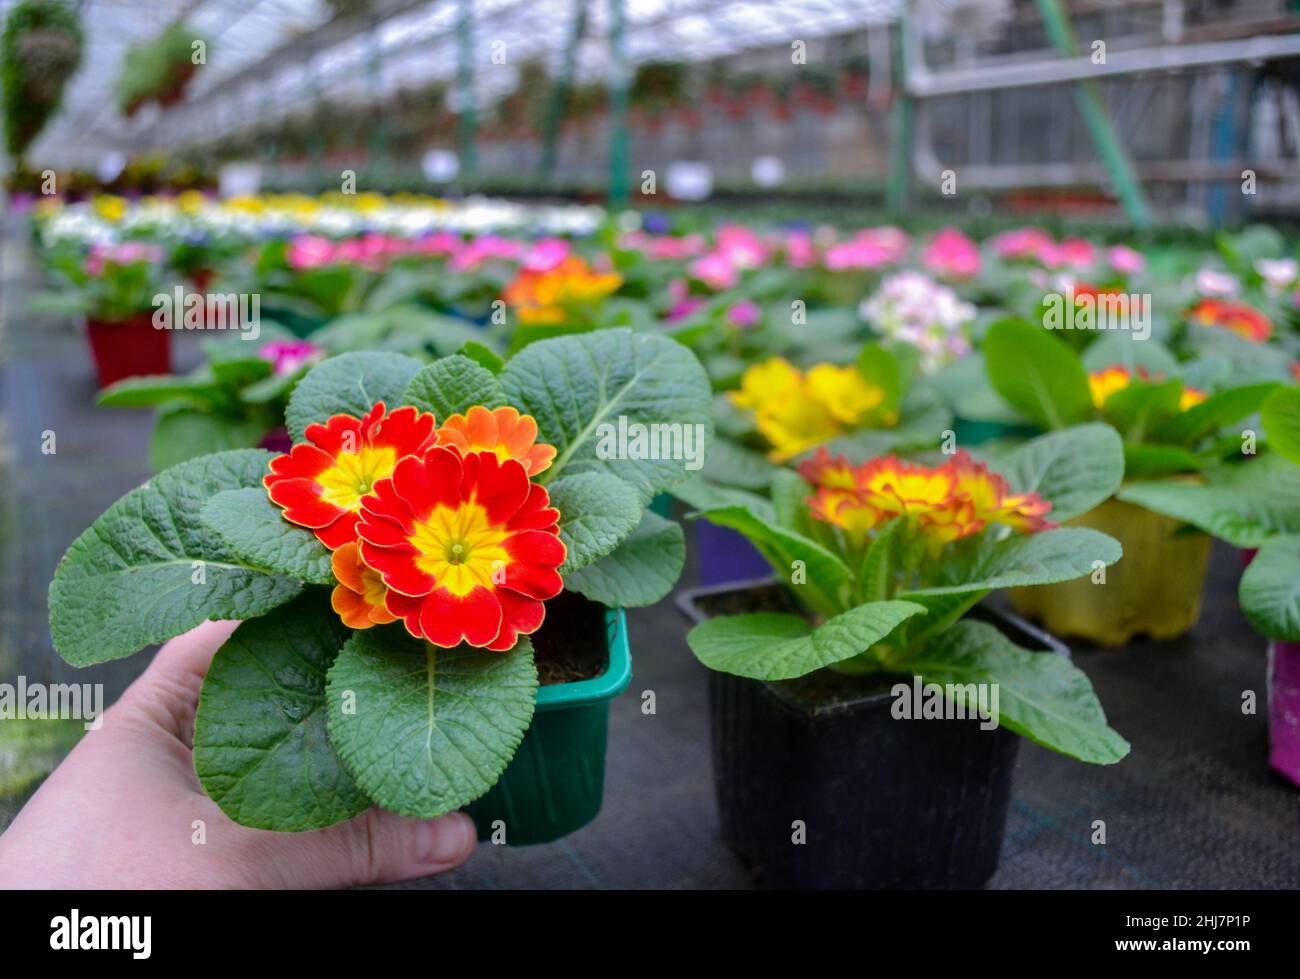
(120, 811)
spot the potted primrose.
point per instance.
(113, 288)
(235, 400)
(431, 583)
(1176, 422)
(781, 414)
(1259, 505)
(871, 621)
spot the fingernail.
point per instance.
(447, 840)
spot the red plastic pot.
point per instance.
(127, 348)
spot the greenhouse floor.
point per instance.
(1194, 805)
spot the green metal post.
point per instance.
(378, 149)
(618, 138)
(560, 91)
(466, 115)
(1088, 97)
(898, 184)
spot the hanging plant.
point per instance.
(160, 70)
(39, 51)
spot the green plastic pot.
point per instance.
(662, 505)
(555, 782)
(972, 432)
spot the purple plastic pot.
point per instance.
(1284, 709)
(277, 440)
(724, 556)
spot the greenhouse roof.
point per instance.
(268, 57)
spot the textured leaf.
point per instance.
(640, 571)
(826, 580)
(256, 532)
(261, 747)
(1244, 503)
(1270, 589)
(734, 465)
(433, 729)
(1043, 558)
(183, 433)
(1040, 695)
(597, 511)
(1143, 408)
(772, 646)
(348, 384)
(1280, 416)
(1076, 468)
(148, 391)
(452, 386)
(1038, 374)
(579, 387)
(1217, 411)
(129, 580)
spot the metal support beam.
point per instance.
(619, 81)
(560, 91)
(1088, 97)
(466, 111)
(898, 185)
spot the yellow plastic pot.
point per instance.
(1154, 590)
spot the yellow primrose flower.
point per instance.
(795, 411)
(190, 201)
(1109, 380)
(110, 207)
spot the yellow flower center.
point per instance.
(354, 474)
(460, 548)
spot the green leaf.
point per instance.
(1270, 589)
(879, 366)
(256, 532)
(640, 571)
(1244, 503)
(348, 384)
(772, 646)
(261, 748)
(148, 391)
(452, 386)
(1215, 412)
(1043, 558)
(1149, 459)
(482, 355)
(432, 729)
(181, 434)
(149, 569)
(1076, 468)
(790, 493)
(1280, 417)
(882, 561)
(1142, 407)
(1040, 695)
(597, 511)
(704, 495)
(1125, 350)
(586, 390)
(734, 465)
(827, 581)
(1038, 374)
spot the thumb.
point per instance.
(377, 847)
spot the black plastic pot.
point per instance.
(882, 803)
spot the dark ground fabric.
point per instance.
(1194, 805)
